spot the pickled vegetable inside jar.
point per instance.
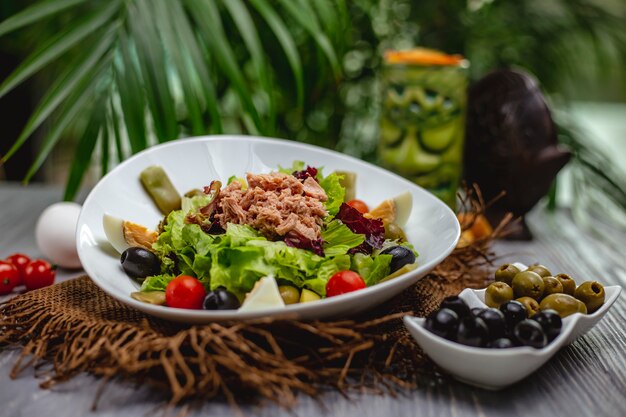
(424, 94)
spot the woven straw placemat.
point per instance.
(76, 327)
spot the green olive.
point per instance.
(551, 285)
(393, 232)
(532, 306)
(564, 304)
(290, 294)
(539, 270)
(506, 273)
(498, 293)
(528, 284)
(592, 294)
(569, 285)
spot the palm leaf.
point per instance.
(159, 66)
(152, 63)
(58, 45)
(35, 13)
(75, 106)
(287, 43)
(86, 146)
(197, 66)
(115, 126)
(307, 18)
(207, 17)
(131, 96)
(63, 86)
(174, 44)
(250, 36)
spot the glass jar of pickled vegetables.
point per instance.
(422, 124)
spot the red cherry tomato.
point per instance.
(343, 282)
(9, 277)
(359, 205)
(38, 274)
(185, 292)
(19, 260)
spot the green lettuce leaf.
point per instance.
(335, 192)
(371, 269)
(156, 282)
(339, 239)
(295, 166)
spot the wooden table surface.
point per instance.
(588, 378)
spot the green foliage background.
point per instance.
(122, 75)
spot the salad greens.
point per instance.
(239, 257)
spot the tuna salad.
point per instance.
(264, 240)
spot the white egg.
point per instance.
(56, 234)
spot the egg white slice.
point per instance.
(265, 294)
(114, 231)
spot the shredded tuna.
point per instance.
(275, 204)
(313, 189)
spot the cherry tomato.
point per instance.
(19, 260)
(343, 282)
(185, 292)
(38, 274)
(359, 205)
(9, 277)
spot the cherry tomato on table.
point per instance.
(185, 292)
(359, 205)
(38, 274)
(19, 260)
(9, 277)
(343, 282)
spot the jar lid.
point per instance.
(423, 56)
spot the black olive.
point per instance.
(502, 343)
(472, 332)
(529, 333)
(550, 322)
(476, 311)
(140, 263)
(443, 323)
(494, 319)
(457, 304)
(514, 312)
(220, 299)
(400, 256)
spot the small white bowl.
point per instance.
(495, 369)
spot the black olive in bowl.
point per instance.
(400, 256)
(140, 263)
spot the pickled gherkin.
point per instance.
(158, 185)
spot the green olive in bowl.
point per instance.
(498, 293)
(532, 306)
(506, 273)
(564, 304)
(551, 285)
(591, 293)
(568, 283)
(528, 284)
(540, 270)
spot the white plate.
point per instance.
(193, 163)
(497, 368)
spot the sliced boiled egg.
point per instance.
(404, 204)
(123, 234)
(394, 210)
(265, 294)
